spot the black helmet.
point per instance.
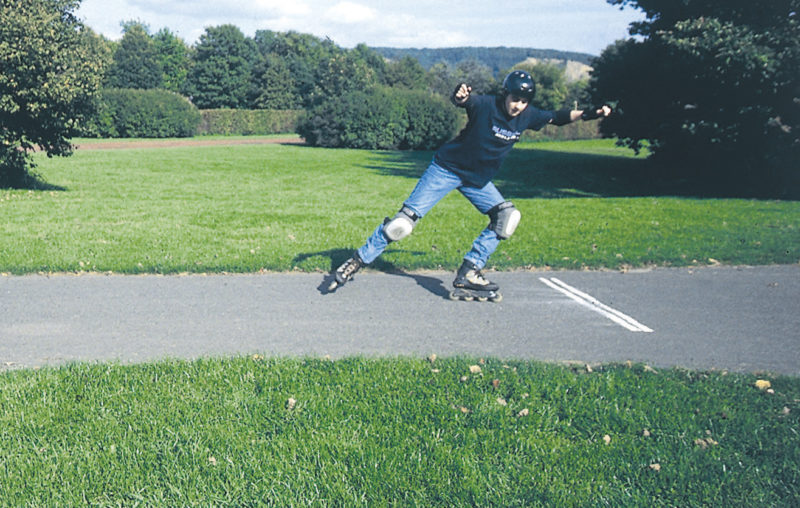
(519, 83)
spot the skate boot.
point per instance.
(470, 284)
(346, 271)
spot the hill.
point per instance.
(497, 59)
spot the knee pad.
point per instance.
(401, 225)
(504, 219)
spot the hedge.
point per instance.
(248, 121)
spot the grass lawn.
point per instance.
(248, 208)
(254, 431)
(395, 432)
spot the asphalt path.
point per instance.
(743, 319)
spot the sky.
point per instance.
(585, 26)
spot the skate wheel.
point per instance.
(497, 298)
(333, 285)
(458, 295)
(483, 299)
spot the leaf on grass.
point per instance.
(655, 467)
(475, 369)
(607, 439)
(291, 403)
(763, 384)
(464, 410)
(502, 401)
(212, 461)
(705, 443)
(785, 411)
(524, 412)
(432, 358)
(646, 433)
(495, 383)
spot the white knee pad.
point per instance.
(504, 219)
(401, 225)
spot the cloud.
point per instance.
(408, 30)
(578, 25)
(350, 13)
(231, 9)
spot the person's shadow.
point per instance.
(339, 256)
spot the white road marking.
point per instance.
(592, 303)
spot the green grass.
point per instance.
(401, 432)
(394, 431)
(277, 207)
(210, 137)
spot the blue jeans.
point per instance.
(433, 185)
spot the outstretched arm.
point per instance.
(565, 116)
(591, 114)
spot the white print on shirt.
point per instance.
(505, 134)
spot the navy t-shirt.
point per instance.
(478, 151)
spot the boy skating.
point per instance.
(468, 163)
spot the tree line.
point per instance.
(496, 58)
(709, 87)
(286, 70)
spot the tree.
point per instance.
(341, 73)
(136, 60)
(50, 69)
(173, 58)
(478, 75)
(223, 64)
(273, 85)
(443, 78)
(303, 54)
(406, 73)
(373, 60)
(709, 86)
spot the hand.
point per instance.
(594, 113)
(462, 93)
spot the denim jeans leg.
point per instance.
(434, 184)
(483, 199)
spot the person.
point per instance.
(468, 163)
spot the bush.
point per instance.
(380, 119)
(570, 132)
(249, 121)
(432, 120)
(129, 113)
(371, 119)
